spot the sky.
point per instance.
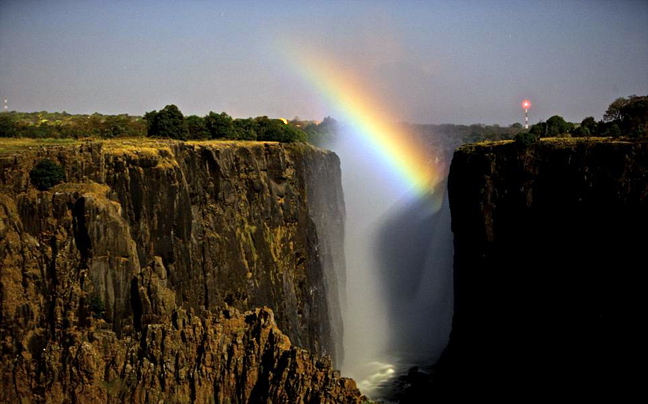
(460, 62)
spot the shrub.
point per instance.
(46, 174)
(581, 131)
(8, 127)
(525, 138)
(97, 307)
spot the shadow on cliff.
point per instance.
(415, 252)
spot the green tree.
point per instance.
(246, 129)
(613, 112)
(276, 130)
(609, 129)
(292, 134)
(590, 124)
(540, 129)
(46, 131)
(525, 139)
(556, 126)
(627, 116)
(267, 129)
(516, 125)
(114, 126)
(634, 117)
(46, 174)
(581, 131)
(169, 123)
(92, 126)
(149, 118)
(197, 127)
(8, 126)
(220, 126)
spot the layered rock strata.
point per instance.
(140, 235)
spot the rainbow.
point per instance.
(370, 121)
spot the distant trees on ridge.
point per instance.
(626, 116)
(169, 122)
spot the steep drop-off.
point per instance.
(107, 281)
(549, 273)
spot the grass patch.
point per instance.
(9, 145)
(82, 187)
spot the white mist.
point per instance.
(385, 332)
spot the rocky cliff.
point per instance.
(113, 284)
(550, 261)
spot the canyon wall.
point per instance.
(128, 281)
(549, 272)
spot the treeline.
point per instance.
(170, 123)
(625, 117)
(480, 132)
(61, 125)
(318, 133)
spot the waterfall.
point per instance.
(398, 250)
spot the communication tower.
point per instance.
(526, 104)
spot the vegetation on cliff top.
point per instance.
(62, 125)
(169, 122)
(626, 116)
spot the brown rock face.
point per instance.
(99, 275)
(550, 260)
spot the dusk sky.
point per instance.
(437, 62)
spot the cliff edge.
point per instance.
(129, 280)
(550, 261)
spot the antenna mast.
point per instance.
(526, 104)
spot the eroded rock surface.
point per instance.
(108, 281)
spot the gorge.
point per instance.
(168, 271)
(549, 273)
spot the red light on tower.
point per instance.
(526, 104)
